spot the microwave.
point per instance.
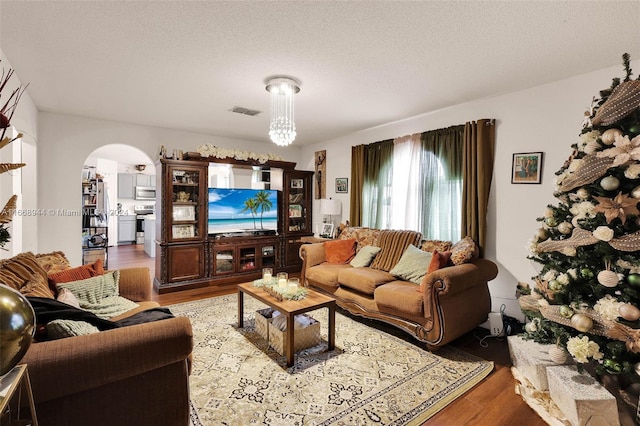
(145, 193)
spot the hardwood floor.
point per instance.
(492, 402)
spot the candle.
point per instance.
(267, 275)
(293, 284)
(283, 279)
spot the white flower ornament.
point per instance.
(624, 150)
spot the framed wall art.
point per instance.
(526, 167)
(342, 185)
(320, 175)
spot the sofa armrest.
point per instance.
(75, 364)
(459, 278)
(456, 299)
(135, 284)
(311, 255)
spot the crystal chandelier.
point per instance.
(282, 128)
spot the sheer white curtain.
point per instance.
(442, 201)
(415, 182)
(442, 183)
(376, 190)
(406, 192)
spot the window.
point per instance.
(415, 182)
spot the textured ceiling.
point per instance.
(185, 64)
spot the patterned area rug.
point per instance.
(369, 378)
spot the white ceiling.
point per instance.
(184, 64)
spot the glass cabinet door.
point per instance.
(247, 258)
(297, 204)
(185, 201)
(224, 259)
(268, 255)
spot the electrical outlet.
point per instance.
(495, 323)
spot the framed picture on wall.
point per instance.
(526, 167)
(342, 185)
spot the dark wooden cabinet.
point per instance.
(296, 215)
(187, 257)
(181, 224)
(185, 262)
(243, 256)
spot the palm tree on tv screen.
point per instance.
(263, 203)
(251, 205)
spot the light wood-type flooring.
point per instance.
(492, 402)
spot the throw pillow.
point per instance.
(23, 273)
(65, 296)
(52, 262)
(94, 289)
(365, 256)
(412, 265)
(464, 251)
(438, 261)
(340, 251)
(393, 245)
(100, 295)
(432, 245)
(59, 329)
(74, 274)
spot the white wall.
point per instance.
(65, 143)
(24, 120)
(545, 118)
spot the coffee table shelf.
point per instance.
(290, 308)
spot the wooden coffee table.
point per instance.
(290, 308)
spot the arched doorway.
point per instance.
(110, 175)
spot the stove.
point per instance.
(141, 211)
(144, 209)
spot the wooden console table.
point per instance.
(290, 308)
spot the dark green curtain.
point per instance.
(375, 195)
(370, 178)
(441, 182)
(357, 182)
(479, 152)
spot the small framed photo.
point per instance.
(527, 167)
(342, 185)
(183, 231)
(295, 210)
(327, 230)
(297, 183)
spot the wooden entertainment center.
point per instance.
(187, 256)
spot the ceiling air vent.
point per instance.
(245, 111)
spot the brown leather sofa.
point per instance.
(135, 375)
(455, 299)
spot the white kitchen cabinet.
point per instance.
(126, 186)
(143, 180)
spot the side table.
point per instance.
(14, 386)
(312, 239)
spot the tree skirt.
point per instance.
(369, 378)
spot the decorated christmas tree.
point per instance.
(586, 297)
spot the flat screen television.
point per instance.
(242, 210)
